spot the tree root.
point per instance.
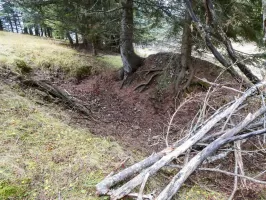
(143, 86)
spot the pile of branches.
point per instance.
(226, 126)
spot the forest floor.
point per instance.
(57, 150)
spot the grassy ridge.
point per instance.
(40, 155)
(43, 53)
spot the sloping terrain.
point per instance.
(49, 150)
(42, 157)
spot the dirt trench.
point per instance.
(139, 120)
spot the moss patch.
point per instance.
(9, 190)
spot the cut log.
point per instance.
(129, 186)
(194, 163)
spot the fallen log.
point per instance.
(194, 163)
(49, 88)
(162, 159)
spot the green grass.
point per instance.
(41, 155)
(43, 53)
(112, 61)
(197, 193)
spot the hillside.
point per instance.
(42, 155)
(50, 150)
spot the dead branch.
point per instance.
(233, 174)
(145, 197)
(193, 164)
(235, 178)
(140, 197)
(172, 119)
(54, 91)
(219, 85)
(206, 37)
(252, 179)
(246, 136)
(104, 185)
(175, 152)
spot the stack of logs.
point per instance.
(252, 124)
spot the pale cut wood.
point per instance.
(194, 163)
(129, 186)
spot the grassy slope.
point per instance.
(45, 53)
(41, 155)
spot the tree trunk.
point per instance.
(1, 25)
(69, 38)
(131, 61)
(186, 50)
(15, 22)
(45, 32)
(94, 48)
(41, 32)
(49, 32)
(77, 38)
(36, 30)
(85, 42)
(26, 30)
(10, 23)
(264, 19)
(30, 30)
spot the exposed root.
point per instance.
(143, 86)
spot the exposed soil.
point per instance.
(139, 119)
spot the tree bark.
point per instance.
(15, 22)
(45, 32)
(186, 50)
(10, 23)
(36, 30)
(41, 32)
(49, 32)
(30, 31)
(1, 25)
(69, 38)
(94, 48)
(25, 31)
(131, 61)
(264, 19)
(77, 38)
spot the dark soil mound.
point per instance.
(140, 119)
